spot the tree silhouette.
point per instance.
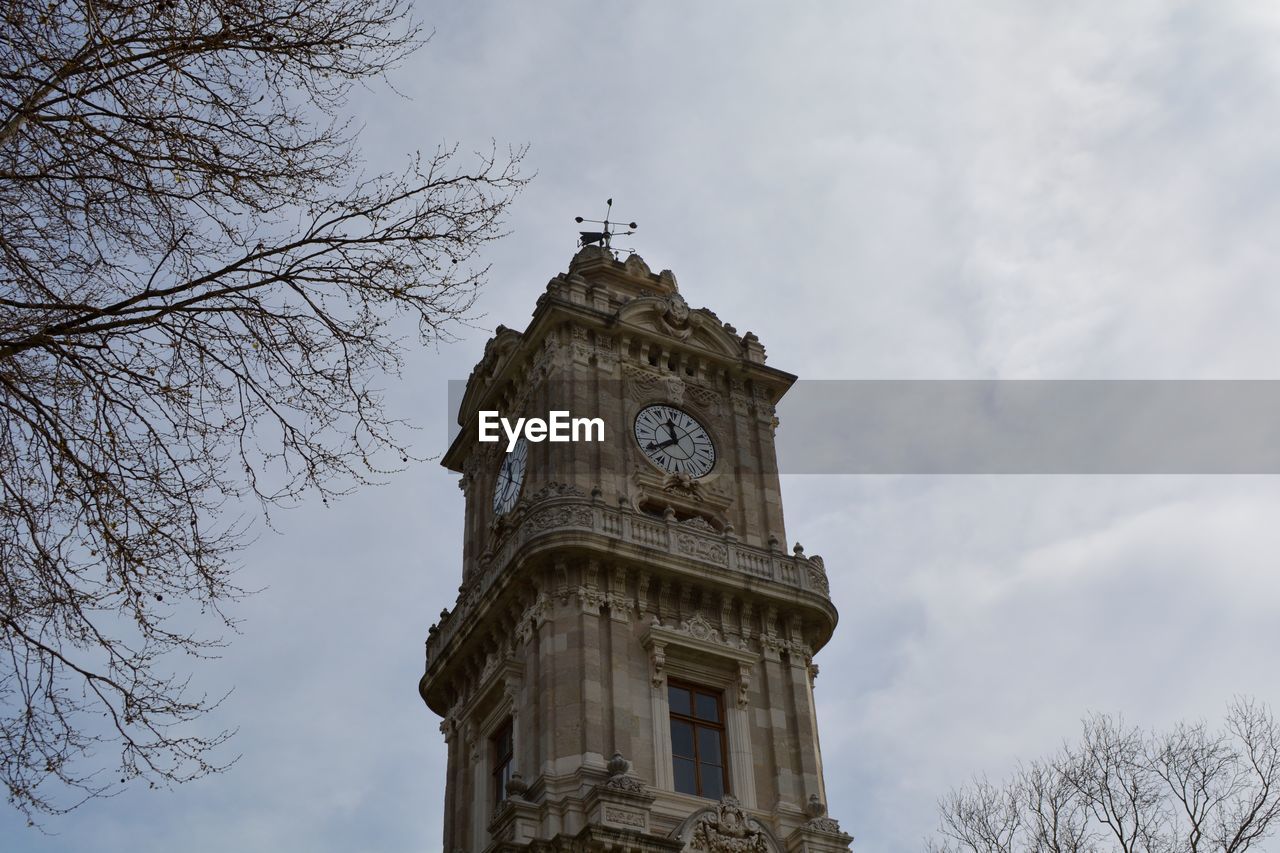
(197, 290)
(1121, 789)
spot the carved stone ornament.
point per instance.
(682, 484)
(618, 766)
(619, 604)
(490, 667)
(657, 662)
(620, 778)
(817, 572)
(636, 267)
(561, 516)
(818, 819)
(675, 389)
(641, 384)
(556, 490)
(700, 524)
(697, 546)
(675, 317)
(818, 579)
(677, 313)
(533, 617)
(706, 398)
(590, 599)
(772, 645)
(517, 787)
(700, 629)
(744, 685)
(726, 828)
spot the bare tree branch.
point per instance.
(196, 292)
(1121, 789)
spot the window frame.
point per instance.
(720, 726)
(503, 738)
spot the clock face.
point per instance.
(510, 478)
(674, 441)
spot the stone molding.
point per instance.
(622, 801)
(553, 518)
(699, 642)
(644, 385)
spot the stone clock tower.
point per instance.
(629, 664)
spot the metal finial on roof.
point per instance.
(603, 237)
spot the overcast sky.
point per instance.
(922, 190)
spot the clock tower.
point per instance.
(629, 663)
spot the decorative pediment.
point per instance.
(725, 828)
(669, 316)
(698, 650)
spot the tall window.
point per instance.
(697, 740)
(502, 757)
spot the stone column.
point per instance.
(742, 769)
(782, 734)
(591, 665)
(479, 790)
(621, 655)
(805, 725)
(663, 775)
(449, 728)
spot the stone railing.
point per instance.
(569, 512)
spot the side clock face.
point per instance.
(675, 441)
(510, 478)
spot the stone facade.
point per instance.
(610, 576)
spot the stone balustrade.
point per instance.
(570, 514)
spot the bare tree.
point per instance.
(1121, 789)
(197, 292)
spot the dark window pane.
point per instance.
(682, 738)
(679, 699)
(708, 708)
(500, 782)
(502, 759)
(712, 781)
(685, 781)
(709, 746)
(502, 743)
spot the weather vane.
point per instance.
(604, 236)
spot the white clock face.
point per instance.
(510, 478)
(674, 441)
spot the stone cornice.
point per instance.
(570, 526)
